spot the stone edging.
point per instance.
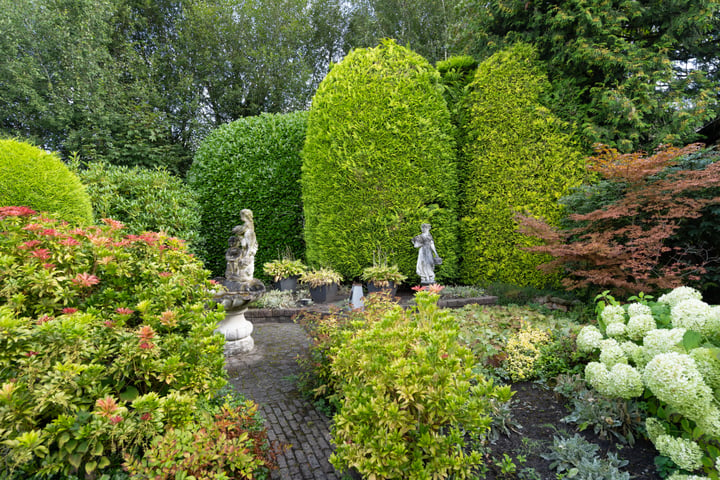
(286, 315)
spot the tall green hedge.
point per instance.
(32, 177)
(251, 163)
(378, 161)
(518, 157)
(144, 200)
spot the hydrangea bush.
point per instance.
(668, 352)
(107, 341)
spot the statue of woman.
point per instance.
(243, 246)
(427, 255)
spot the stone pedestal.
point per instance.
(237, 330)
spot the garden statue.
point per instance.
(240, 286)
(242, 247)
(427, 255)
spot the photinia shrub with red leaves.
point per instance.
(106, 340)
(627, 244)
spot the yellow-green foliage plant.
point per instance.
(518, 157)
(411, 407)
(378, 161)
(34, 178)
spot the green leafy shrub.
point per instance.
(37, 179)
(143, 199)
(665, 352)
(411, 405)
(575, 457)
(518, 157)
(230, 443)
(106, 342)
(379, 161)
(251, 163)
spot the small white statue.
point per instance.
(427, 255)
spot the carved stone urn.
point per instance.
(240, 288)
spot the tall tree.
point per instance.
(423, 25)
(632, 74)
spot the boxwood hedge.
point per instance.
(144, 200)
(378, 161)
(34, 178)
(517, 157)
(251, 163)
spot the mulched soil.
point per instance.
(537, 414)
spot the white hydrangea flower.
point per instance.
(674, 379)
(616, 330)
(680, 294)
(654, 428)
(662, 340)
(624, 382)
(686, 454)
(611, 353)
(613, 314)
(691, 314)
(589, 339)
(596, 374)
(713, 323)
(639, 325)
(708, 364)
(680, 476)
(635, 309)
(631, 350)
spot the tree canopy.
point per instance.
(631, 74)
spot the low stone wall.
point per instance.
(283, 315)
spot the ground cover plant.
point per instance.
(107, 344)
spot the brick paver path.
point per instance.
(267, 376)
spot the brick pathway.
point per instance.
(266, 375)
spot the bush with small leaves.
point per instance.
(37, 179)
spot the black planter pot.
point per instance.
(390, 289)
(287, 284)
(323, 293)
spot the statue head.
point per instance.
(246, 215)
(425, 227)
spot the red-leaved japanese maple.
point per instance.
(625, 246)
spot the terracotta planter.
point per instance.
(391, 289)
(323, 293)
(287, 284)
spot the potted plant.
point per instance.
(323, 283)
(285, 272)
(382, 277)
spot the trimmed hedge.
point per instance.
(144, 200)
(379, 160)
(251, 163)
(518, 157)
(34, 178)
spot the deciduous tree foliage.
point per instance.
(379, 161)
(632, 74)
(627, 245)
(517, 157)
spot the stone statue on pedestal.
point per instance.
(427, 255)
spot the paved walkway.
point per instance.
(267, 376)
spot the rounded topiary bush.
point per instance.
(379, 161)
(251, 163)
(518, 158)
(37, 179)
(144, 200)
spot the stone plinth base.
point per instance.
(237, 331)
(235, 347)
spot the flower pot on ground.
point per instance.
(322, 283)
(285, 272)
(383, 278)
